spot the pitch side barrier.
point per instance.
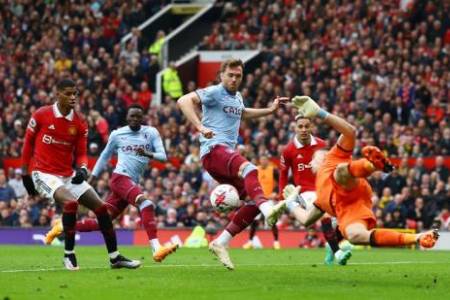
(264, 239)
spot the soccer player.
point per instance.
(135, 144)
(343, 190)
(296, 157)
(266, 176)
(55, 136)
(223, 108)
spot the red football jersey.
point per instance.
(54, 141)
(297, 157)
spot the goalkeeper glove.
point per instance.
(308, 107)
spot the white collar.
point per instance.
(58, 114)
(299, 145)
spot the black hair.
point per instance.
(135, 105)
(65, 83)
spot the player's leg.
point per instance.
(90, 199)
(125, 188)
(69, 218)
(276, 242)
(52, 187)
(251, 234)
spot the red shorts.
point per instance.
(123, 192)
(223, 164)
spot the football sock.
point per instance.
(275, 232)
(87, 225)
(148, 218)
(330, 234)
(361, 168)
(252, 230)
(154, 243)
(224, 238)
(244, 216)
(389, 238)
(106, 227)
(69, 219)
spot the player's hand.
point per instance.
(81, 175)
(29, 185)
(206, 132)
(306, 106)
(278, 102)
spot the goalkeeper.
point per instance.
(342, 188)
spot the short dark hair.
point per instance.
(135, 105)
(232, 63)
(65, 83)
(300, 116)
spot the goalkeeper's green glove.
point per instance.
(308, 107)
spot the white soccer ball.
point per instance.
(225, 197)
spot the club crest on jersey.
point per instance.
(72, 130)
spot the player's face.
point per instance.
(68, 97)
(231, 78)
(303, 131)
(134, 118)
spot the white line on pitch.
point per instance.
(238, 265)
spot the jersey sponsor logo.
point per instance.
(48, 139)
(51, 127)
(72, 130)
(233, 110)
(303, 167)
(133, 148)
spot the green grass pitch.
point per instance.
(35, 272)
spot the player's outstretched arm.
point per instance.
(309, 108)
(252, 113)
(187, 105)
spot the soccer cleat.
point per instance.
(377, 158)
(429, 238)
(122, 262)
(222, 254)
(276, 245)
(164, 251)
(56, 230)
(248, 245)
(275, 213)
(342, 256)
(70, 262)
(329, 255)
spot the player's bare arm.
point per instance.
(343, 177)
(252, 113)
(187, 105)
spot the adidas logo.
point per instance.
(299, 156)
(51, 127)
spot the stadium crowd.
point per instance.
(383, 68)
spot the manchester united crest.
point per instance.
(72, 130)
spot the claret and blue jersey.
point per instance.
(222, 114)
(125, 142)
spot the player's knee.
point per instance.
(357, 237)
(246, 168)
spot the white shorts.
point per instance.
(47, 184)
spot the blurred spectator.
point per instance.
(156, 47)
(6, 191)
(16, 183)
